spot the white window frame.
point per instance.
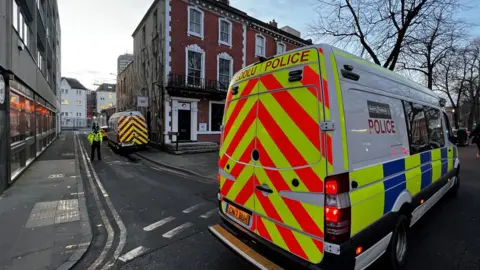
(220, 41)
(210, 102)
(197, 49)
(225, 56)
(202, 19)
(280, 43)
(264, 45)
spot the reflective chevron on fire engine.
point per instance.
(271, 137)
(132, 129)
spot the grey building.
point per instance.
(123, 61)
(29, 78)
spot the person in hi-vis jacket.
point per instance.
(95, 138)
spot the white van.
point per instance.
(327, 160)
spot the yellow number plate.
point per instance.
(242, 216)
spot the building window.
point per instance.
(40, 61)
(435, 130)
(110, 95)
(195, 22)
(79, 92)
(259, 45)
(17, 133)
(15, 15)
(216, 116)
(195, 65)
(110, 105)
(417, 127)
(144, 37)
(64, 102)
(79, 102)
(155, 23)
(102, 107)
(280, 48)
(225, 70)
(225, 32)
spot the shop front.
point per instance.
(32, 126)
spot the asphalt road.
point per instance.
(181, 208)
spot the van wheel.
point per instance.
(454, 190)
(396, 254)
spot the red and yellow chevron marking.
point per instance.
(133, 128)
(284, 127)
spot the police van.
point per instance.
(327, 160)
(127, 131)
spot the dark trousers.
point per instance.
(96, 146)
(477, 142)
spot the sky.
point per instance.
(96, 32)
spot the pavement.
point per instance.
(43, 217)
(204, 165)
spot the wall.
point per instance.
(209, 43)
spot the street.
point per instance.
(165, 215)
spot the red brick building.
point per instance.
(204, 43)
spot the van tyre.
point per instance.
(454, 190)
(397, 250)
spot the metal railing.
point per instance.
(180, 81)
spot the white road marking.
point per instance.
(157, 224)
(193, 208)
(103, 215)
(209, 213)
(79, 193)
(177, 230)
(133, 254)
(116, 216)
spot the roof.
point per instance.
(74, 83)
(237, 12)
(109, 87)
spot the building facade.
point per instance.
(105, 96)
(123, 61)
(29, 47)
(202, 44)
(73, 99)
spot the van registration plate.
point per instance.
(240, 215)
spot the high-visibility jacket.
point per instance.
(95, 137)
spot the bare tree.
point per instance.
(433, 39)
(471, 82)
(378, 28)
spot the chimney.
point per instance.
(226, 2)
(273, 23)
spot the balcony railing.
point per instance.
(191, 83)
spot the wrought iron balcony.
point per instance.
(195, 84)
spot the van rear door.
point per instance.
(290, 165)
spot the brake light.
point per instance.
(337, 208)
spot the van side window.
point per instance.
(417, 127)
(447, 128)
(435, 130)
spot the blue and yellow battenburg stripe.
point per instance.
(374, 198)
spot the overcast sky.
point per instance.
(96, 32)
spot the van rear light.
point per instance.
(337, 208)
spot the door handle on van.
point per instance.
(264, 189)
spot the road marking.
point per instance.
(103, 215)
(177, 230)
(133, 254)
(193, 208)
(116, 216)
(157, 224)
(60, 175)
(79, 193)
(209, 213)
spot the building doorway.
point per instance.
(184, 125)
